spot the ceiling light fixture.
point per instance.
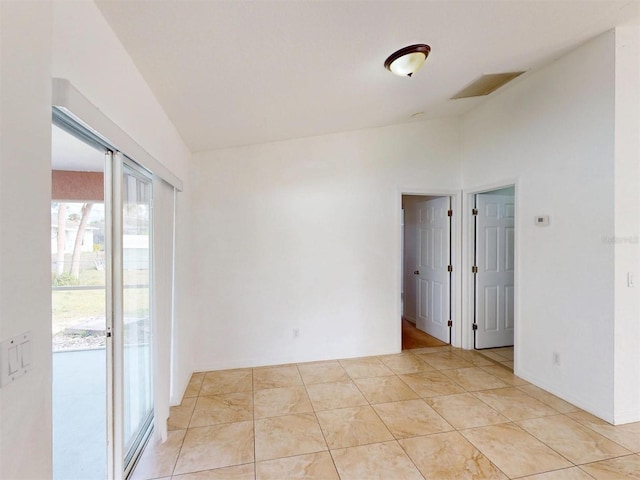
(408, 60)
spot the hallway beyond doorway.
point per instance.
(415, 338)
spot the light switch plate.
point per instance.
(14, 363)
(15, 358)
(541, 220)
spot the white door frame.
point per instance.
(467, 260)
(456, 278)
(109, 239)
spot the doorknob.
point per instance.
(417, 272)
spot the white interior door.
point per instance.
(432, 269)
(494, 316)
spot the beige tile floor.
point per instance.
(430, 413)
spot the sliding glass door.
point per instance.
(102, 273)
(136, 308)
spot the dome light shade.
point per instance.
(408, 60)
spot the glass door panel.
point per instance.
(78, 273)
(136, 300)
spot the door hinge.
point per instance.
(449, 213)
(474, 211)
(475, 326)
(474, 269)
(450, 323)
(449, 268)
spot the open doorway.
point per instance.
(426, 271)
(494, 273)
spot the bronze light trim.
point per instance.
(412, 60)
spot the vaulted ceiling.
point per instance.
(232, 73)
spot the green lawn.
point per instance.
(71, 306)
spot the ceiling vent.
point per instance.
(486, 84)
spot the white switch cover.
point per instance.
(541, 220)
(15, 358)
(25, 350)
(14, 364)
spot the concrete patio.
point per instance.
(79, 415)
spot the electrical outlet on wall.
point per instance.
(556, 359)
(296, 332)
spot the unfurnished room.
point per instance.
(305, 239)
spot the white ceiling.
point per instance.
(240, 72)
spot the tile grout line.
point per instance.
(396, 439)
(385, 425)
(525, 393)
(302, 384)
(586, 473)
(444, 419)
(575, 421)
(524, 477)
(567, 414)
(455, 429)
(512, 422)
(488, 458)
(500, 413)
(174, 477)
(370, 405)
(601, 461)
(313, 408)
(175, 464)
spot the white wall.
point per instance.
(86, 52)
(305, 234)
(553, 130)
(627, 226)
(25, 199)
